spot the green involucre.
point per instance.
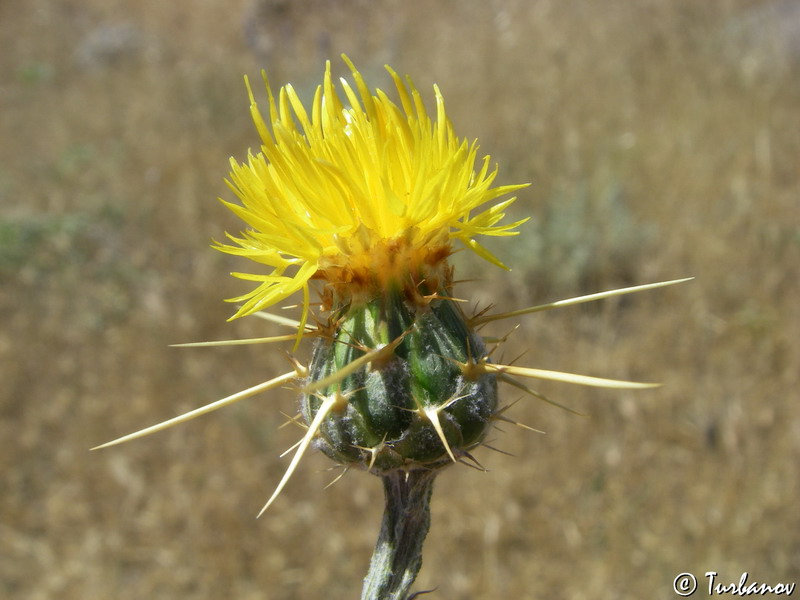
(384, 423)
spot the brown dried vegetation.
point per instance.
(662, 139)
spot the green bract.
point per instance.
(396, 409)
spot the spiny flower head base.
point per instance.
(364, 196)
(411, 405)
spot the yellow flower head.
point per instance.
(360, 193)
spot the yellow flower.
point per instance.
(360, 193)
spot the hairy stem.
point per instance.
(406, 519)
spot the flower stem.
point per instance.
(406, 519)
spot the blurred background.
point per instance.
(662, 139)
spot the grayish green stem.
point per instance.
(406, 519)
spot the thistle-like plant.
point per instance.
(368, 199)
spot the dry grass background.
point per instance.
(662, 138)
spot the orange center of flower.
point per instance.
(419, 272)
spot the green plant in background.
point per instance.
(369, 199)
(48, 254)
(588, 230)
